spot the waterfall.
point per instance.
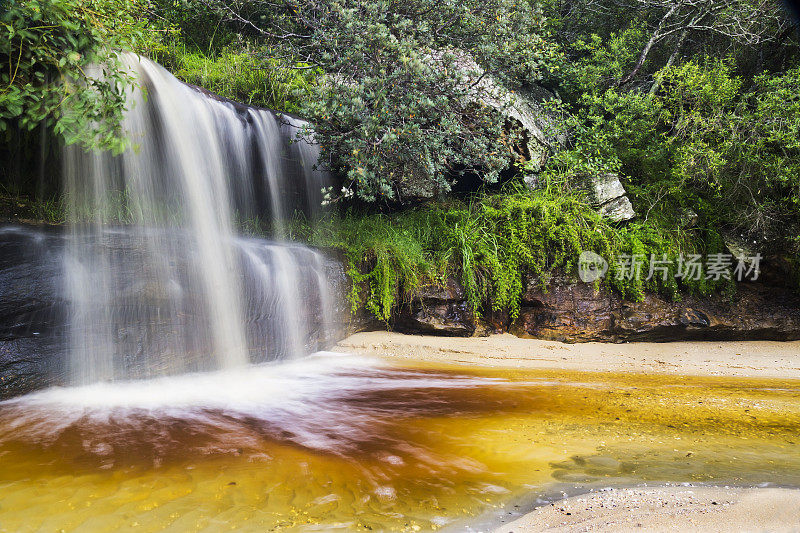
(157, 280)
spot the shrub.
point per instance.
(400, 111)
(60, 68)
(495, 246)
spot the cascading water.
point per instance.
(158, 282)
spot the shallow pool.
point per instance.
(360, 444)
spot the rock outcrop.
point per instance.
(607, 194)
(604, 191)
(438, 311)
(525, 108)
(35, 326)
(577, 312)
(572, 311)
(33, 312)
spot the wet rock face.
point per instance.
(575, 312)
(35, 328)
(32, 314)
(564, 311)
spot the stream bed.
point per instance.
(334, 442)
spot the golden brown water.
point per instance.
(362, 446)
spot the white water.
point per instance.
(312, 402)
(157, 281)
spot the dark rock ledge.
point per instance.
(571, 311)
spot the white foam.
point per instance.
(239, 389)
(317, 401)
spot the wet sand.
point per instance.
(633, 509)
(667, 509)
(756, 359)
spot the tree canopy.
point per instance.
(397, 106)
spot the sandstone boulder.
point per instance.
(606, 192)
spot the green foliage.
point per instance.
(387, 258)
(495, 246)
(601, 62)
(187, 26)
(738, 151)
(693, 122)
(396, 91)
(16, 206)
(248, 77)
(116, 208)
(194, 44)
(401, 109)
(409, 112)
(60, 68)
(700, 140)
(757, 34)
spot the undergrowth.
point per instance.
(495, 246)
(19, 206)
(250, 76)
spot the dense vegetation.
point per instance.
(694, 104)
(494, 245)
(60, 70)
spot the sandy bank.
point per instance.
(667, 509)
(765, 359)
